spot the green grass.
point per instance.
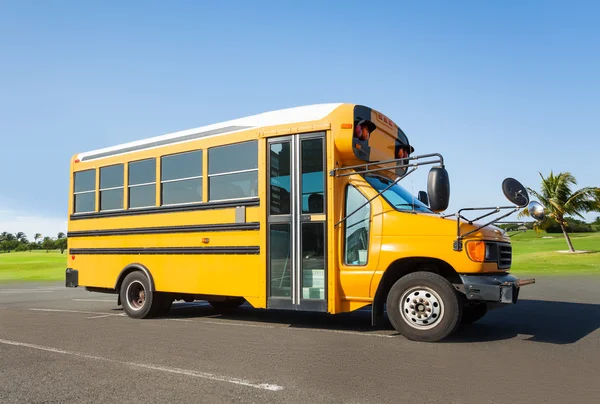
(35, 266)
(533, 253)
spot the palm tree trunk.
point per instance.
(562, 226)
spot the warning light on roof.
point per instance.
(346, 126)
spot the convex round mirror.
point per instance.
(515, 192)
(536, 211)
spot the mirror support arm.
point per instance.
(458, 243)
(400, 163)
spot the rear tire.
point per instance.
(137, 298)
(227, 304)
(473, 312)
(423, 306)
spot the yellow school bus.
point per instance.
(296, 209)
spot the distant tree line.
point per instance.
(552, 226)
(18, 242)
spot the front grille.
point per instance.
(504, 256)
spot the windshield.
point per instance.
(396, 196)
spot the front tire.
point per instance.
(423, 306)
(137, 298)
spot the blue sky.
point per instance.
(501, 89)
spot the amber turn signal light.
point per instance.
(476, 250)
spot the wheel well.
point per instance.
(402, 267)
(129, 269)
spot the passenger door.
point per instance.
(297, 201)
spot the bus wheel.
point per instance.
(136, 297)
(423, 306)
(473, 312)
(227, 304)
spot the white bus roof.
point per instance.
(272, 118)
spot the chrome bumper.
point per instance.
(492, 288)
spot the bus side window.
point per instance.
(356, 228)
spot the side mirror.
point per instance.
(423, 198)
(515, 192)
(536, 211)
(438, 188)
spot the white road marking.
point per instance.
(34, 289)
(362, 334)
(24, 292)
(107, 315)
(95, 300)
(166, 369)
(77, 311)
(237, 324)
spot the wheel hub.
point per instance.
(136, 295)
(421, 307)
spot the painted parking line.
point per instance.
(76, 311)
(95, 300)
(23, 292)
(165, 369)
(106, 315)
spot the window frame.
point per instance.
(201, 177)
(209, 176)
(100, 189)
(345, 262)
(75, 212)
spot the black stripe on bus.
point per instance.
(246, 250)
(168, 209)
(166, 230)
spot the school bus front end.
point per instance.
(398, 253)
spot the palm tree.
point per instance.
(38, 236)
(19, 236)
(3, 236)
(60, 235)
(560, 200)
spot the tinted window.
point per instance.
(356, 228)
(312, 176)
(112, 199)
(142, 196)
(231, 186)
(184, 165)
(233, 171)
(235, 157)
(85, 181)
(142, 172)
(279, 172)
(85, 202)
(185, 191)
(111, 177)
(85, 191)
(280, 263)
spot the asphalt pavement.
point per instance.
(60, 345)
